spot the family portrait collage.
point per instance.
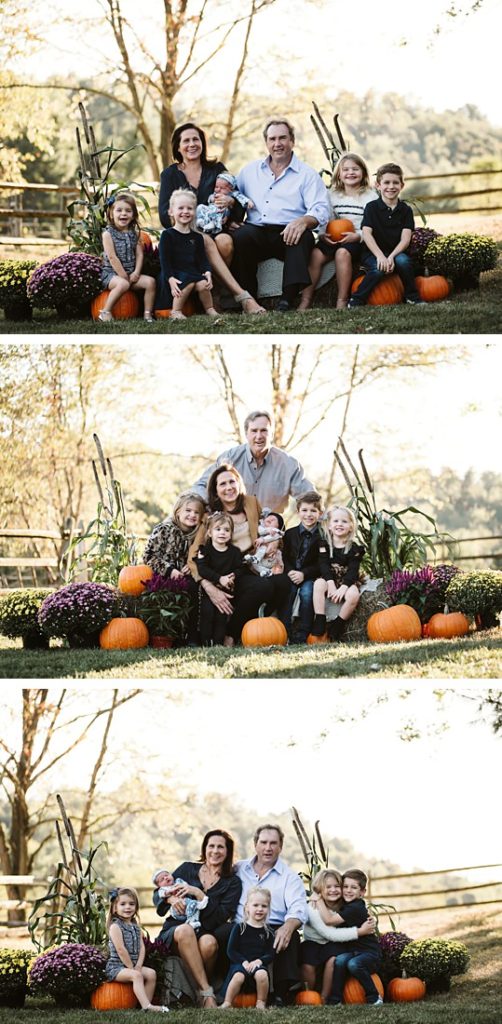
(250, 512)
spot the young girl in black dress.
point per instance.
(183, 259)
(250, 949)
(340, 560)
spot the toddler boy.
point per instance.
(387, 226)
(301, 563)
(362, 958)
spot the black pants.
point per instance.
(253, 244)
(253, 591)
(213, 624)
(286, 970)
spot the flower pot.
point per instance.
(35, 642)
(486, 620)
(440, 984)
(72, 310)
(18, 311)
(161, 641)
(78, 640)
(13, 995)
(467, 281)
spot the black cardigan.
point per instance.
(173, 177)
(349, 560)
(223, 897)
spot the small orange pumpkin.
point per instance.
(244, 1000)
(387, 292)
(146, 241)
(311, 639)
(336, 228)
(124, 634)
(433, 288)
(188, 309)
(114, 995)
(264, 631)
(400, 622)
(405, 990)
(132, 579)
(448, 625)
(308, 997)
(353, 991)
(125, 308)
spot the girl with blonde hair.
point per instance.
(336, 592)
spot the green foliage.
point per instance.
(430, 959)
(313, 850)
(459, 254)
(164, 611)
(19, 612)
(14, 276)
(476, 593)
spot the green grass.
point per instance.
(474, 997)
(475, 656)
(475, 312)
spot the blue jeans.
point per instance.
(361, 966)
(306, 611)
(404, 267)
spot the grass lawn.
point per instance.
(477, 656)
(474, 997)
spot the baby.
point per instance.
(166, 885)
(266, 559)
(211, 218)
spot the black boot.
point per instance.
(336, 628)
(318, 625)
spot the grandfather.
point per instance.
(290, 200)
(288, 909)
(269, 473)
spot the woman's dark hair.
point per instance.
(176, 139)
(212, 498)
(227, 866)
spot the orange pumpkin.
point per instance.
(405, 990)
(245, 1000)
(387, 292)
(400, 622)
(132, 579)
(188, 309)
(124, 309)
(353, 991)
(264, 631)
(311, 639)
(448, 625)
(123, 634)
(308, 998)
(433, 288)
(336, 228)
(114, 995)
(146, 241)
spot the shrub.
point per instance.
(462, 254)
(78, 610)
(14, 276)
(164, 606)
(14, 964)
(434, 960)
(420, 239)
(476, 593)
(424, 589)
(67, 281)
(19, 612)
(68, 973)
(392, 945)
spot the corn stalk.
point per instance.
(331, 148)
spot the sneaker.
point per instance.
(283, 306)
(378, 1002)
(415, 302)
(354, 304)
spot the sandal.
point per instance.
(212, 312)
(204, 994)
(158, 1009)
(244, 297)
(177, 315)
(105, 316)
(148, 317)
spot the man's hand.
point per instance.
(294, 231)
(284, 933)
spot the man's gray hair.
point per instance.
(268, 828)
(279, 120)
(252, 416)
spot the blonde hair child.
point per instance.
(336, 592)
(183, 259)
(250, 949)
(350, 192)
(123, 256)
(127, 949)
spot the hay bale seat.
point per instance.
(370, 601)
(270, 286)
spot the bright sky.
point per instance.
(357, 50)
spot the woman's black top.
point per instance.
(173, 177)
(223, 897)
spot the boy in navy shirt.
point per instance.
(387, 226)
(361, 958)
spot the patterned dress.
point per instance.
(125, 244)
(132, 941)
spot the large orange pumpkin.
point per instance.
(387, 292)
(245, 1000)
(311, 639)
(308, 997)
(264, 631)
(448, 625)
(123, 634)
(400, 622)
(132, 579)
(336, 228)
(353, 991)
(405, 990)
(124, 309)
(114, 995)
(433, 288)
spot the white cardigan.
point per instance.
(317, 931)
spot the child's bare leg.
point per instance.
(234, 986)
(206, 297)
(317, 261)
(141, 983)
(327, 978)
(118, 286)
(343, 270)
(147, 284)
(262, 986)
(179, 302)
(350, 603)
(320, 588)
